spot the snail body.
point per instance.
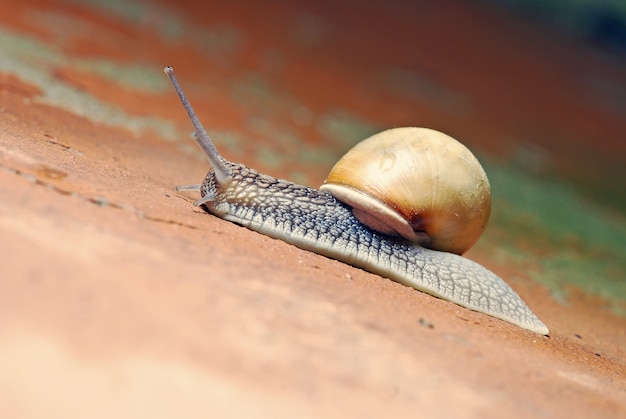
(317, 221)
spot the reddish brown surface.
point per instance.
(119, 299)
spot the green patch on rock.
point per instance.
(34, 62)
(145, 78)
(344, 128)
(566, 240)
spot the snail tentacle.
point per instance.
(222, 171)
(195, 187)
(326, 226)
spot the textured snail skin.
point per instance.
(316, 221)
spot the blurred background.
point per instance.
(601, 23)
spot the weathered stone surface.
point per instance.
(118, 298)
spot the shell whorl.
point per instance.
(417, 183)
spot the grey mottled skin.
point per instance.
(315, 221)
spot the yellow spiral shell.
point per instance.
(417, 183)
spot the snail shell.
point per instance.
(417, 183)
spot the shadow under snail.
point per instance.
(395, 232)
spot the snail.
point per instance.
(380, 240)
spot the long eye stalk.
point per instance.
(222, 171)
